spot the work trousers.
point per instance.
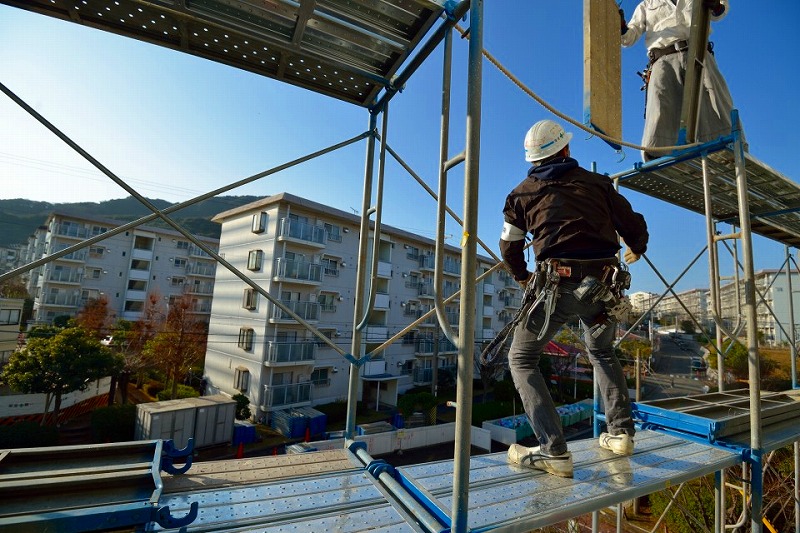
(526, 351)
(665, 97)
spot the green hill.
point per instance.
(19, 218)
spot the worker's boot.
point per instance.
(558, 465)
(621, 444)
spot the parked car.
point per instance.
(697, 364)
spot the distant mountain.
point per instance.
(19, 218)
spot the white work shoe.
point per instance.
(558, 465)
(620, 444)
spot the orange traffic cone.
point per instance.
(308, 434)
(240, 451)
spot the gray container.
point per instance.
(214, 420)
(170, 419)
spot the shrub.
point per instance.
(153, 388)
(184, 391)
(115, 423)
(242, 406)
(27, 434)
(421, 401)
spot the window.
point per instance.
(320, 377)
(246, 338)
(254, 259)
(333, 233)
(410, 337)
(140, 264)
(177, 281)
(142, 243)
(183, 245)
(97, 230)
(250, 299)
(259, 222)
(241, 378)
(134, 306)
(407, 367)
(137, 285)
(330, 266)
(95, 273)
(9, 316)
(327, 302)
(179, 262)
(96, 252)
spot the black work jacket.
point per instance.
(572, 213)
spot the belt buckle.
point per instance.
(564, 271)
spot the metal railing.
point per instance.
(299, 270)
(291, 352)
(277, 395)
(303, 231)
(305, 310)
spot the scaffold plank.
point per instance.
(774, 199)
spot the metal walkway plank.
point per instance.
(506, 497)
(774, 199)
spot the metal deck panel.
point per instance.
(505, 497)
(774, 199)
(215, 474)
(327, 502)
(347, 49)
(718, 415)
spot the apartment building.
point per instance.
(11, 257)
(693, 300)
(123, 268)
(772, 292)
(10, 316)
(305, 255)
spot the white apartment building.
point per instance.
(10, 315)
(11, 257)
(305, 254)
(693, 300)
(124, 268)
(774, 287)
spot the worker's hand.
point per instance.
(524, 282)
(630, 256)
(623, 26)
(715, 6)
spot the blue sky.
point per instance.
(175, 126)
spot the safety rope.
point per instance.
(516, 81)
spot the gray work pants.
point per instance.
(523, 360)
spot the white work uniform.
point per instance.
(664, 24)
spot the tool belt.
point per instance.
(577, 269)
(679, 46)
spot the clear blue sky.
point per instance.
(175, 126)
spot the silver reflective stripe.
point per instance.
(511, 233)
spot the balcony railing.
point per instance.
(62, 299)
(77, 232)
(201, 288)
(291, 352)
(200, 269)
(425, 375)
(327, 308)
(426, 262)
(65, 276)
(196, 251)
(299, 270)
(77, 255)
(303, 231)
(426, 346)
(305, 310)
(201, 307)
(278, 395)
(451, 266)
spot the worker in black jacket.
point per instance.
(574, 216)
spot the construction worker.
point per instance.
(574, 216)
(666, 26)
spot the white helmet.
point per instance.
(544, 139)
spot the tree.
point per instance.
(242, 406)
(65, 362)
(180, 344)
(94, 317)
(13, 288)
(687, 326)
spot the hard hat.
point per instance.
(544, 139)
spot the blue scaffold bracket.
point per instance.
(450, 9)
(165, 519)
(357, 445)
(358, 362)
(170, 454)
(379, 466)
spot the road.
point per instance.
(670, 374)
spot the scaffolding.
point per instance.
(378, 45)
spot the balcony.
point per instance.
(305, 310)
(488, 334)
(425, 289)
(301, 233)
(488, 310)
(451, 266)
(200, 269)
(65, 276)
(384, 269)
(67, 300)
(488, 288)
(200, 288)
(286, 395)
(425, 375)
(288, 353)
(78, 255)
(142, 253)
(512, 302)
(426, 346)
(426, 262)
(300, 271)
(196, 251)
(71, 231)
(202, 308)
(381, 301)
